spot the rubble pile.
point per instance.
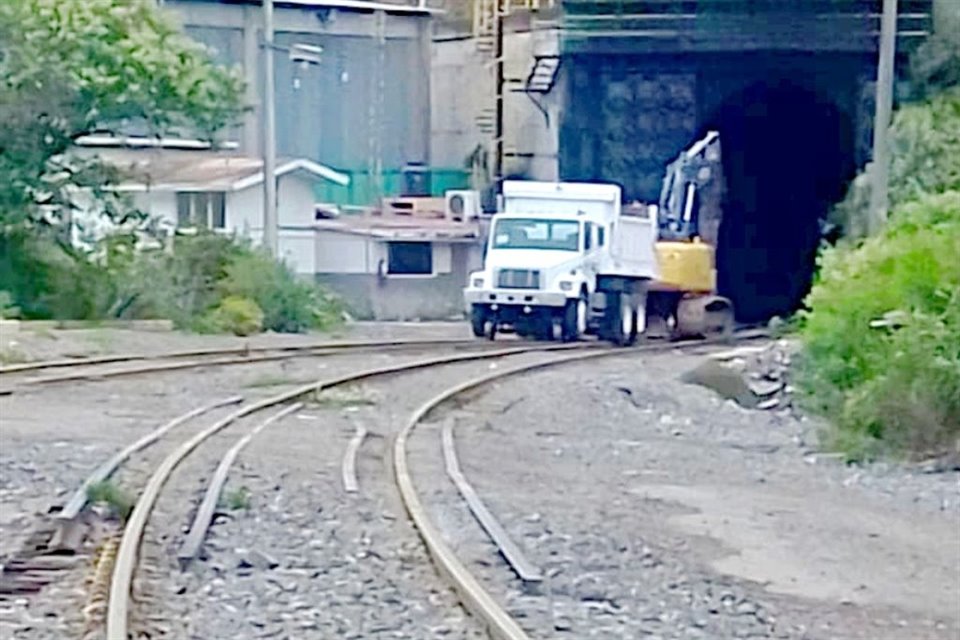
(766, 371)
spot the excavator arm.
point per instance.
(690, 204)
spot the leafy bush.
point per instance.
(882, 339)
(289, 305)
(924, 138)
(8, 310)
(236, 315)
(120, 278)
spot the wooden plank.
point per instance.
(349, 466)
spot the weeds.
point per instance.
(208, 283)
(12, 355)
(269, 380)
(342, 400)
(238, 499)
(882, 339)
(109, 493)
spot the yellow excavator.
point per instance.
(683, 301)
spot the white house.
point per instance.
(186, 189)
(389, 267)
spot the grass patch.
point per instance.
(238, 499)
(109, 493)
(274, 380)
(342, 400)
(13, 355)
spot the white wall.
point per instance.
(338, 252)
(295, 213)
(244, 216)
(157, 204)
(298, 249)
(345, 253)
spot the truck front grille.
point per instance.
(518, 279)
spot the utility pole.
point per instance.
(498, 118)
(880, 172)
(269, 136)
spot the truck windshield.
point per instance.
(537, 233)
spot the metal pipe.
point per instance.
(880, 172)
(269, 136)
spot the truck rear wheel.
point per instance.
(621, 319)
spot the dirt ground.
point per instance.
(655, 508)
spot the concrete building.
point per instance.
(364, 109)
(398, 268)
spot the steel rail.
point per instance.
(521, 565)
(79, 499)
(471, 593)
(333, 346)
(119, 600)
(192, 542)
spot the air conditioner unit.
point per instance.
(462, 205)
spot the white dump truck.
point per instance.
(562, 260)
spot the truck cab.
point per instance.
(559, 257)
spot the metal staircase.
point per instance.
(488, 18)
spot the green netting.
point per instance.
(363, 191)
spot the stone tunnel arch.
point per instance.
(788, 154)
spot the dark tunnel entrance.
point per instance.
(787, 157)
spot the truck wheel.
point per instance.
(478, 320)
(575, 319)
(620, 319)
(628, 322)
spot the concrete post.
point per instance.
(879, 196)
(251, 72)
(270, 241)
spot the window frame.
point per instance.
(391, 244)
(214, 210)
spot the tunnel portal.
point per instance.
(791, 137)
(787, 157)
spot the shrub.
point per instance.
(882, 338)
(191, 285)
(289, 305)
(236, 315)
(924, 140)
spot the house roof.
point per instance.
(402, 228)
(182, 170)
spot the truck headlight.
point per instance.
(477, 283)
(566, 285)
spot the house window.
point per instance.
(201, 209)
(409, 258)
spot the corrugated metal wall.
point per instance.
(324, 111)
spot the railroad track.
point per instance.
(472, 594)
(126, 365)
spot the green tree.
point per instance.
(70, 68)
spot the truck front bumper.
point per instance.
(515, 297)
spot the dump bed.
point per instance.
(632, 249)
(599, 203)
